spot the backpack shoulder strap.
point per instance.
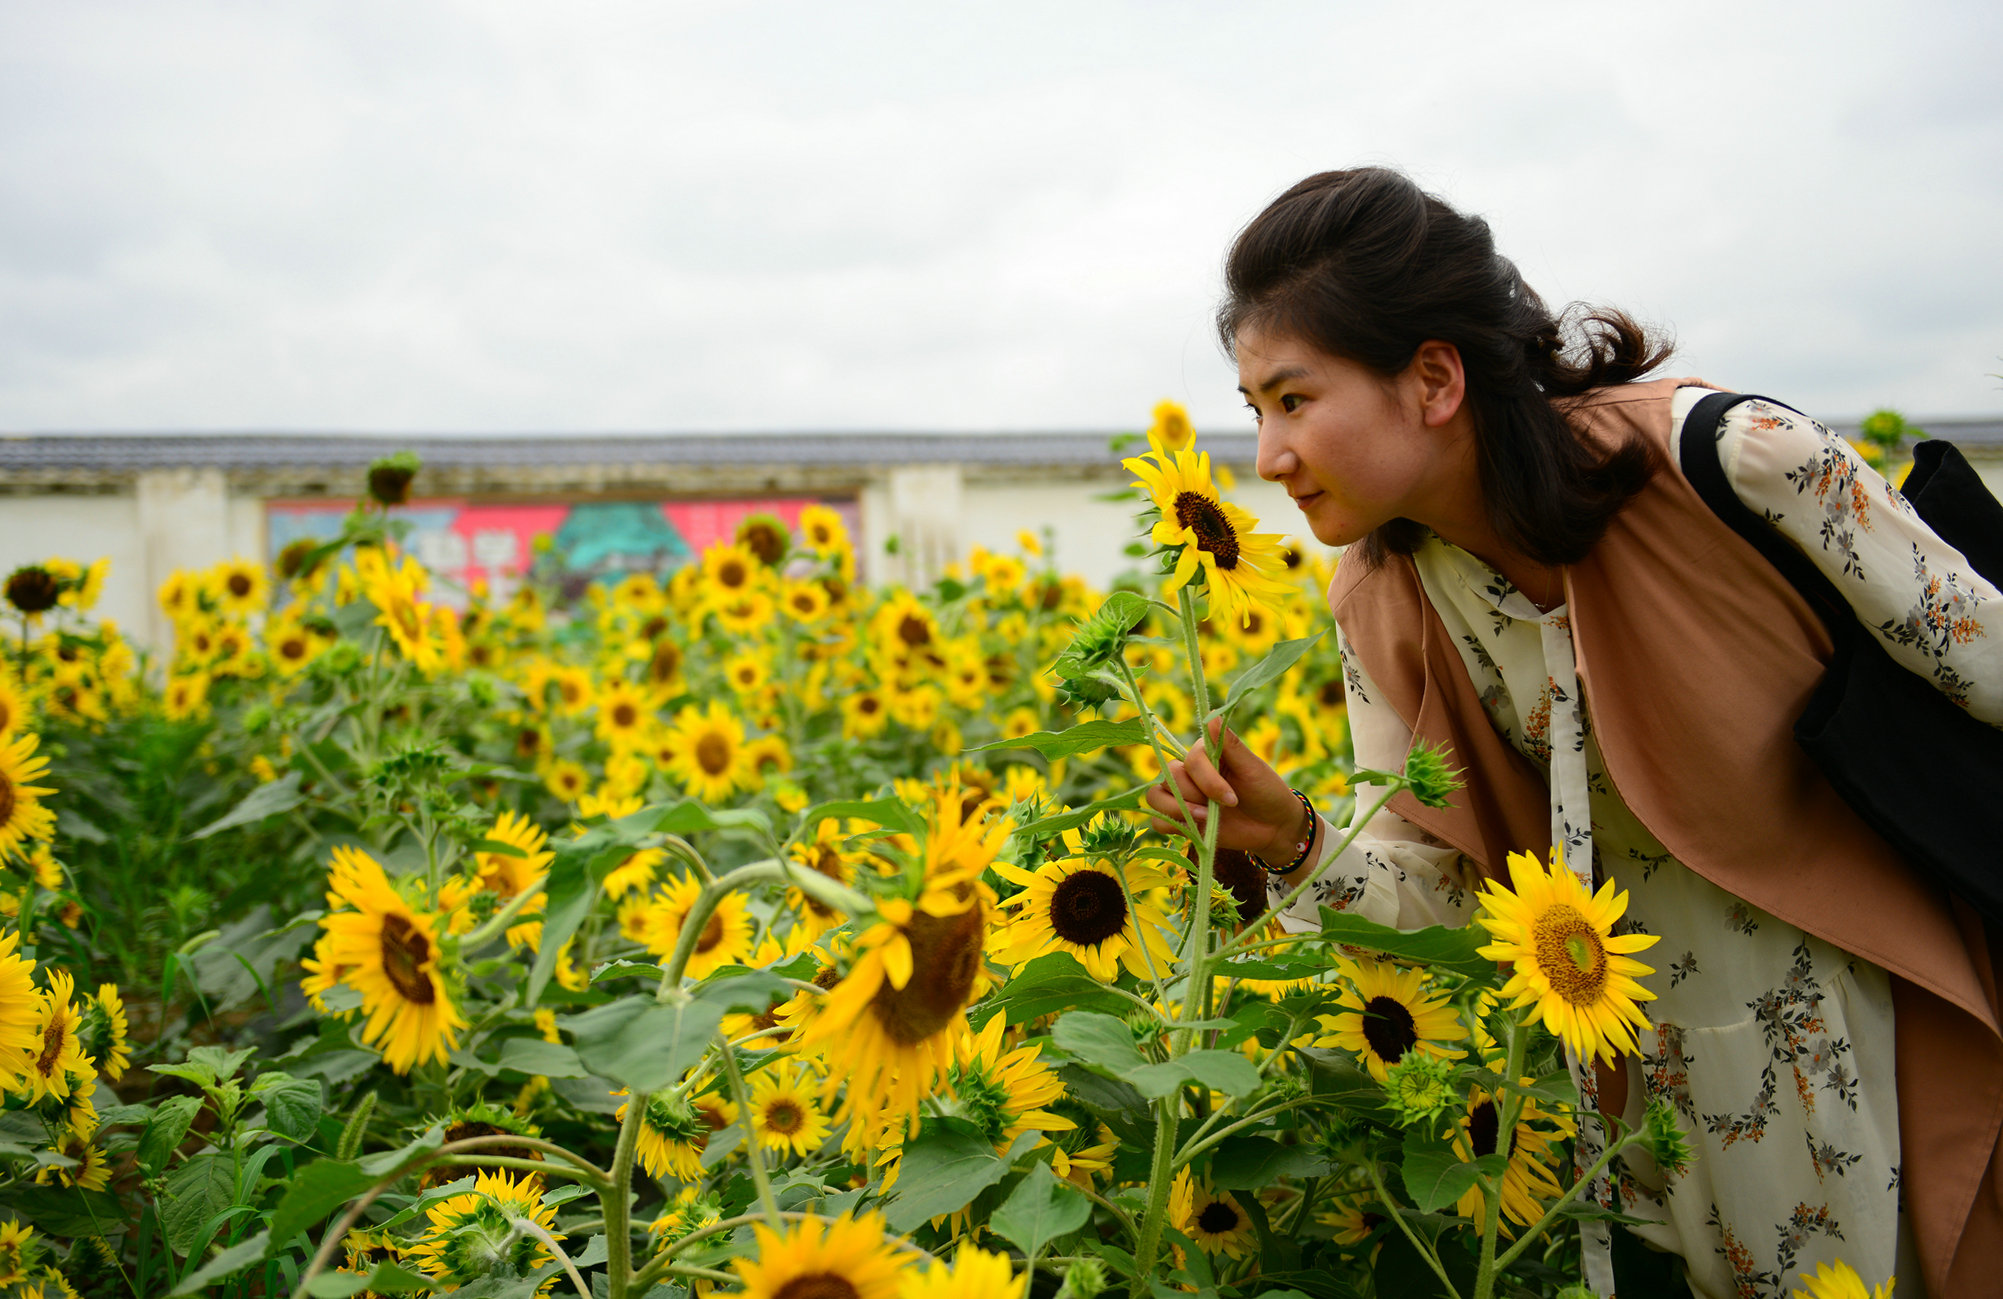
(1697, 456)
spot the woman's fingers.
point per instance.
(1208, 781)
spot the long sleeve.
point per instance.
(1390, 872)
(1937, 615)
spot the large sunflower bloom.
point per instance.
(389, 954)
(1568, 962)
(1078, 906)
(847, 1258)
(784, 1114)
(1387, 1011)
(709, 758)
(18, 1010)
(890, 1025)
(239, 587)
(1240, 568)
(57, 1060)
(22, 816)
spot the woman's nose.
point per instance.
(1275, 461)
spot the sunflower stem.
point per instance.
(1148, 1242)
(753, 1155)
(617, 1201)
(1508, 1108)
(1396, 1212)
(529, 1227)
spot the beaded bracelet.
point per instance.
(1305, 846)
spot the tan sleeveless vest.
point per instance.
(1695, 657)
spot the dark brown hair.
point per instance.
(1365, 265)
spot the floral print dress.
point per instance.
(1774, 1048)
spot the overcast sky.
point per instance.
(491, 216)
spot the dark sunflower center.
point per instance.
(731, 574)
(1218, 1217)
(1482, 1129)
(624, 716)
(712, 754)
(53, 1038)
(32, 589)
(292, 647)
(6, 800)
(784, 1116)
(804, 601)
(405, 951)
(666, 662)
(239, 584)
(766, 542)
(868, 704)
(1331, 694)
(826, 977)
(1214, 532)
(945, 957)
(1388, 1027)
(528, 740)
(1246, 880)
(1087, 908)
(818, 1285)
(912, 630)
(712, 933)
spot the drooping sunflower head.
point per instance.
(1004, 1092)
(19, 1251)
(105, 1031)
(848, 1258)
(672, 1136)
(472, 1236)
(1568, 963)
(32, 589)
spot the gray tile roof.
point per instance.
(100, 456)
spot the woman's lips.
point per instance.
(1307, 499)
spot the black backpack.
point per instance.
(1919, 769)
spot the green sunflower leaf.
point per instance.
(1100, 1043)
(1049, 984)
(1224, 1071)
(1436, 1177)
(1040, 1209)
(1267, 670)
(945, 1168)
(1457, 950)
(1084, 738)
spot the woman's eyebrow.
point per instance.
(1276, 378)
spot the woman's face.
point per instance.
(1353, 448)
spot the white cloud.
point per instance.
(726, 216)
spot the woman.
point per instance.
(1533, 582)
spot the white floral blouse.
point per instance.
(1774, 1048)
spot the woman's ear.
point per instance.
(1437, 381)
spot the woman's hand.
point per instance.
(1258, 812)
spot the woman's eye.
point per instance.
(1255, 411)
(1289, 402)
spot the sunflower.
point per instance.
(19, 1011)
(1207, 535)
(1387, 1010)
(22, 816)
(567, 780)
(56, 1058)
(239, 587)
(905, 629)
(725, 938)
(1086, 1149)
(1529, 1180)
(1569, 964)
(766, 757)
(364, 1249)
(848, 1258)
(389, 954)
(18, 1248)
(573, 689)
(822, 853)
(92, 1170)
(1211, 1219)
(186, 696)
(1171, 430)
(745, 614)
(472, 1236)
(864, 714)
(634, 873)
(672, 1136)
(805, 602)
(687, 1213)
(624, 715)
(105, 1031)
(291, 645)
(1838, 1280)
(1353, 1218)
(729, 570)
(823, 529)
(506, 875)
(890, 1025)
(180, 596)
(394, 589)
(784, 1114)
(1004, 1093)
(975, 1274)
(1077, 905)
(13, 706)
(709, 758)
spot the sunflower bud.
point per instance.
(1430, 776)
(1664, 1139)
(1084, 694)
(1419, 1088)
(389, 477)
(33, 589)
(1101, 638)
(1084, 1279)
(765, 536)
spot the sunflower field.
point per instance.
(745, 929)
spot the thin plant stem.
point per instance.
(529, 1227)
(1392, 1208)
(617, 1202)
(752, 1154)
